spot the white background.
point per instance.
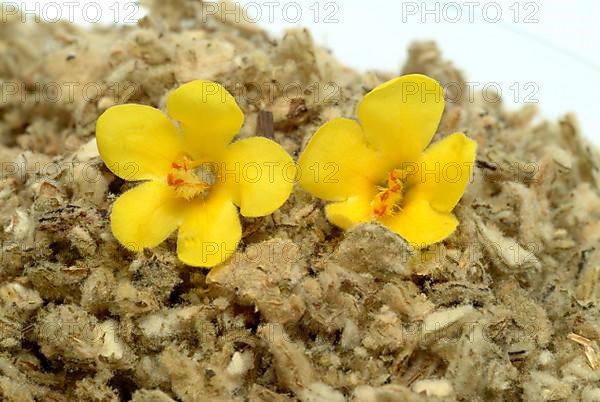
(549, 49)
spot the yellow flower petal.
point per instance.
(210, 232)
(353, 211)
(401, 116)
(145, 215)
(209, 116)
(260, 175)
(137, 142)
(337, 163)
(444, 171)
(421, 225)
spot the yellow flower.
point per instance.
(379, 169)
(193, 177)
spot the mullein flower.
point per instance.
(380, 170)
(193, 177)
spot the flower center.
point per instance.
(388, 200)
(191, 179)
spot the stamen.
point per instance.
(191, 179)
(388, 201)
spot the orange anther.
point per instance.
(380, 212)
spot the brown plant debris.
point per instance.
(506, 309)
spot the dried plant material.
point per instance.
(160, 328)
(386, 332)
(97, 292)
(530, 318)
(590, 349)
(441, 319)
(319, 391)
(95, 389)
(337, 296)
(189, 381)
(391, 393)
(543, 386)
(436, 388)
(506, 254)
(590, 394)
(588, 289)
(371, 248)
(405, 297)
(265, 125)
(57, 281)
(144, 395)
(486, 369)
(259, 393)
(291, 365)
(19, 297)
(302, 311)
(266, 276)
(238, 368)
(454, 292)
(77, 337)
